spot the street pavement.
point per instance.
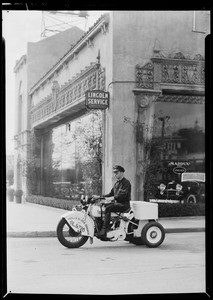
(43, 265)
(33, 220)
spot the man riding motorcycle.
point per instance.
(120, 193)
(137, 224)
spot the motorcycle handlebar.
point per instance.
(101, 199)
(94, 199)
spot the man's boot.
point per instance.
(105, 225)
(103, 231)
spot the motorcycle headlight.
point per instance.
(85, 200)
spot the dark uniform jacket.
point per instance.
(121, 191)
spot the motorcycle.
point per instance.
(138, 225)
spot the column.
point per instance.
(145, 116)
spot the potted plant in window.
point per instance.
(10, 194)
(18, 195)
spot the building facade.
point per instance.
(152, 64)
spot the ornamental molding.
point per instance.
(145, 76)
(145, 97)
(64, 96)
(180, 56)
(144, 101)
(182, 73)
(187, 99)
(174, 69)
(90, 43)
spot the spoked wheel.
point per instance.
(68, 237)
(153, 234)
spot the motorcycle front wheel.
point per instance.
(68, 237)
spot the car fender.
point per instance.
(80, 221)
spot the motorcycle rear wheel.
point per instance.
(153, 234)
(68, 237)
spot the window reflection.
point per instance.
(76, 158)
(177, 145)
(179, 139)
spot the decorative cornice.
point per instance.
(171, 70)
(64, 97)
(181, 99)
(178, 56)
(81, 43)
(144, 97)
(145, 76)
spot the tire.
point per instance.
(153, 234)
(68, 237)
(191, 199)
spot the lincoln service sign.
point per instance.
(97, 99)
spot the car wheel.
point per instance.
(191, 199)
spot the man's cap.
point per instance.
(118, 168)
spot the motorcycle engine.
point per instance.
(117, 234)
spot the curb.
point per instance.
(45, 234)
(182, 230)
(31, 234)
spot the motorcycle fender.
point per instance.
(79, 221)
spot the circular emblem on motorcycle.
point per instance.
(179, 170)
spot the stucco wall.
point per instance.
(135, 34)
(129, 40)
(134, 37)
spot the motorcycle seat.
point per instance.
(126, 211)
(117, 213)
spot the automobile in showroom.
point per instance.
(190, 189)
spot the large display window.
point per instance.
(181, 127)
(178, 143)
(72, 161)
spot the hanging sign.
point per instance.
(178, 164)
(179, 170)
(193, 177)
(97, 99)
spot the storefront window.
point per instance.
(74, 158)
(180, 130)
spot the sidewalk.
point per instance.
(33, 220)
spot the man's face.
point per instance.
(118, 175)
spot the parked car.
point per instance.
(194, 187)
(168, 192)
(195, 191)
(191, 189)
